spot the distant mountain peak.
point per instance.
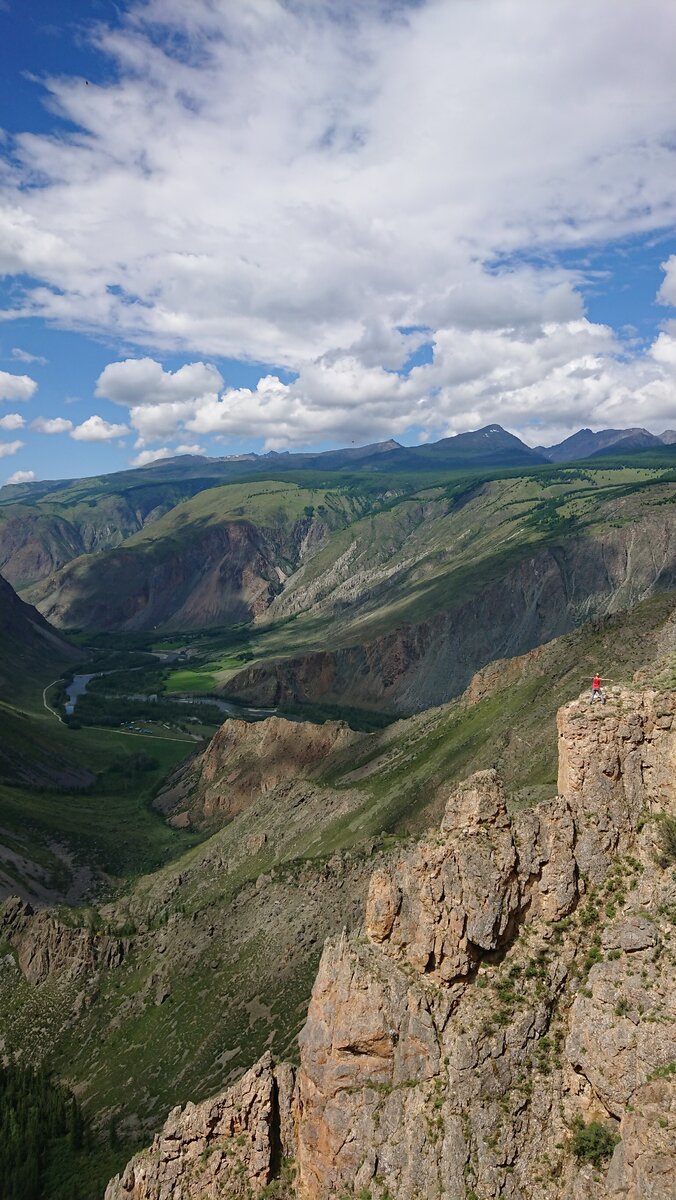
(585, 443)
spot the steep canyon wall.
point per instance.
(423, 663)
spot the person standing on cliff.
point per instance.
(596, 693)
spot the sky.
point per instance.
(282, 224)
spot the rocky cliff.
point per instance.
(421, 664)
(45, 947)
(503, 1025)
(245, 760)
(218, 576)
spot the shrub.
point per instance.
(667, 838)
(594, 1142)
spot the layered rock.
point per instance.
(513, 983)
(233, 1144)
(44, 946)
(245, 760)
(422, 663)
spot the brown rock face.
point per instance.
(244, 760)
(617, 764)
(44, 946)
(514, 977)
(221, 575)
(231, 1145)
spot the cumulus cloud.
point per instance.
(16, 387)
(667, 292)
(12, 421)
(21, 477)
(150, 456)
(331, 195)
(7, 448)
(544, 382)
(143, 381)
(51, 425)
(95, 429)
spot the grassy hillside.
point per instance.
(30, 650)
(217, 558)
(80, 814)
(47, 525)
(74, 804)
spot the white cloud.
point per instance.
(21, 477)
(297, 172)
(150, 456)
(143, 381)
(26, 357)
(27, 246)
(51, 425)
(7, 448)
(95, 429)
(12, 421)
(328, 195)
(667, 292)
(543, 382)
(16, 387)
(164, 420)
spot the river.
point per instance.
(81, 682)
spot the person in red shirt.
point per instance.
(596, 693)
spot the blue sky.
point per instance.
(232, 227)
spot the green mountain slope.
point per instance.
(45, 525)
(74, 805)
(29, 648)
(217, 559)
(397, 609)
(81, 518)
(347, 561)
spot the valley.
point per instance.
(279, 683)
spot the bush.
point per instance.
(594, 1142)
(667, 838)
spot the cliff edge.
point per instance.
(505, 1023)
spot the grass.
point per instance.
(108, 823)
(193, 681)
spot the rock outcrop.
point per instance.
(232, 1145)
(505, 1023)
(245, 760)
(44, 946)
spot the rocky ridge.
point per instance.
(419, 664)
(245, 760)
(512, 984)
(45, 946)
